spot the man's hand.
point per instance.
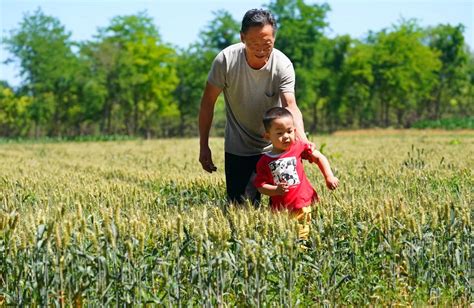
(205, 158)
(282, 188)
(332, 182)
(312, 146)
(206, 113)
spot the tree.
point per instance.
(336, 81)
(300, 37)
(90, 116)
(194, 63)
(222, 31)
(44, 50)
(100, 89)
(453, 79)
(404, 70)
(192, 66)
(14, 118)
(358, 91)
(139, 73)
(301, 26)
(467, 106)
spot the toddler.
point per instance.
(280, 172)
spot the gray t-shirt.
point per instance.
(248, 93)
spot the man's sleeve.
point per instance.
(217, 74)
(287, 80)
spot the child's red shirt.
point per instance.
(288, 166)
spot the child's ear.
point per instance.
(266, 135)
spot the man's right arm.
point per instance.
(206, 114)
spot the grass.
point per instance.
(449, 124)
(135, 222)
(85, 138)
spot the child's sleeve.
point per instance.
(306, 152)
(262, 175)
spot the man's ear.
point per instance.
(242, 37)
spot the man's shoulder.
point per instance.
(280, 57)
(229, 56)
(233, 50)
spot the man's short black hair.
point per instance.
(258, 18)
(273, 114)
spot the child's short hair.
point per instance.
(273, 114)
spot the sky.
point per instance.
(180, 21)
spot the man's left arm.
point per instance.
(288, 101)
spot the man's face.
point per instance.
(259, 43)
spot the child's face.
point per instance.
(281, 134)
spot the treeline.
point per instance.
(127, 81)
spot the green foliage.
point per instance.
(44, 51)
(194, 63)
(222, 31)
(192, 67)
(85, 138)
(14, 118)
(300, 26)
(404, 70)
(356, 98)
(126, 80)
(453, 81)
(143, 73)
(300, 37)
(455, 123)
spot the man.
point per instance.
(254, 77)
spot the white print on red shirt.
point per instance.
(284, 170)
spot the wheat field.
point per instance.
(138, 222)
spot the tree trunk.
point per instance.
(135, 114)
(36, 129)
(386, 113)
(400, 114)
(181, 125)
(108, 111)
(315, 117)
(437, 104)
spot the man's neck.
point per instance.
(256, 64)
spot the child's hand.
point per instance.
(332, 182)
(282, 188)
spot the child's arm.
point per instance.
(331, 181)
(273, 190)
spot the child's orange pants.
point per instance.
(303, 216)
